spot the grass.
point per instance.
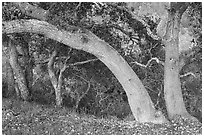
(22, 118)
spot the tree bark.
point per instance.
(27, 64)
(10, 80)
(9, 75)
(139, 100)
(172, 85)
(20, 77)
(56, 83)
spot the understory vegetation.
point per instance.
(20, 118)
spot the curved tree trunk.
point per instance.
(139, 100)
(20, 77)
(172, 85)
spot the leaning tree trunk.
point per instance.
(18, 72)
(172, 85)
(139, 100)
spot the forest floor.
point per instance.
(20, 118)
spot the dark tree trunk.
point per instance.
(9, 77)
(27, 64)
(11, 81)
(18, 72)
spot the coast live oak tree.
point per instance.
(82, 39)
(169, 31)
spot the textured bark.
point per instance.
(10, 80)
(27, 65)
(18, 94)
(172, 85)
(20, 77)
(9, 77)
(139, 100)
(56, 83)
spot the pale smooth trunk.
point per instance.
(172, 85)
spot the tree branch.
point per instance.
(145, 66)
(187, 74)
(73, 39)
(83, 62)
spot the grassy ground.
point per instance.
(19, 118)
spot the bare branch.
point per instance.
(145, 66)
(187, 74)
(83, 62)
